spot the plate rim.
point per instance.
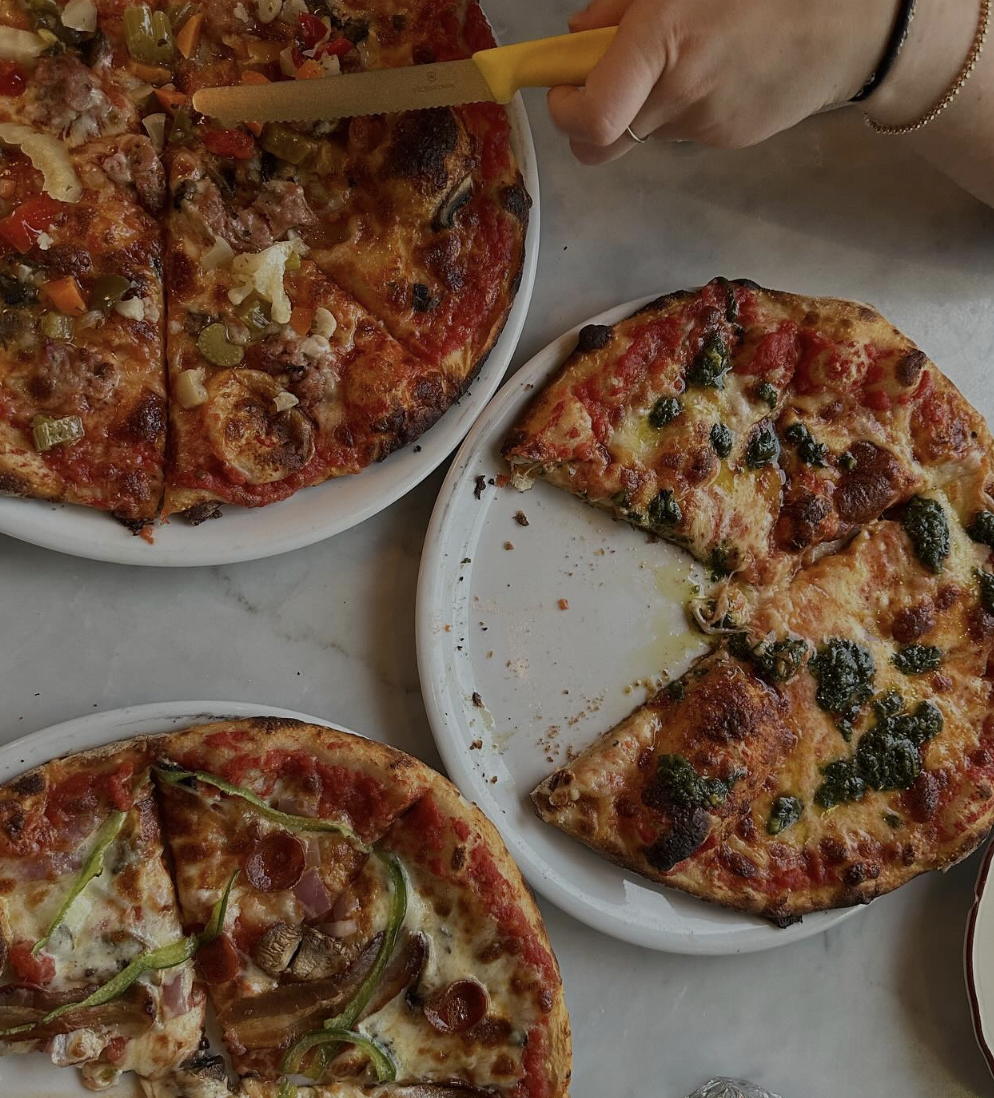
(985, 1042)
(430, 595)
(102, 727)
(28, 520)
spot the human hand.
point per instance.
(724, 73)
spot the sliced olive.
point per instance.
(214, 345)
(107, 292)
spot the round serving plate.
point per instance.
(313, 514)
(35, 1076)
(540, 624)
(978, 958)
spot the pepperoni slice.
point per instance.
(218, 960)
(276, 862)
(457, 1007)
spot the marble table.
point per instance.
(876, 1006)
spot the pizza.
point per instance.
(85, 896)
(836, 739)
(332, 288)
(354, 924)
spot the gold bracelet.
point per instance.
(980, 38)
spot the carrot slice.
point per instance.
(310, 69)
(301, 318)
(151, 74)
(188, 37)
(65, 295)
(170, 99)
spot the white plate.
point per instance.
(489, 623)
(313, 514)
(978, 957)
(35, 1076)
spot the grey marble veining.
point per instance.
(875, 1007)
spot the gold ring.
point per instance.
(634, 136)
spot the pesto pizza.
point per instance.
(351, 923)
(836, 739)
(289, 303)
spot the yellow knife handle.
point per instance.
(544, 62)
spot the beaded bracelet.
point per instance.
(969, 65)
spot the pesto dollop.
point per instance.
(982, 528)
(985, 581)
(764, 446)
(721, 440)
(684, 788)
(776, 661)
(784, 813)
(664, 411)
(916, 659)
(925, 524)
(845, 673)
(664, 510)
(808, 451)
(767, 394)
(708, 369)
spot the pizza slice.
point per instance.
(380, 937)
(834, 749)
(753, 427)
(434, 244)
(82, 387)
(279, 378)
(288, 813)
(96, 970)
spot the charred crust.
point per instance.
(784, 921)
(202, 512)
(420, 145)
(909, 369)
(593, 337)
(13, 485)
(687, 832)
(135, 525)
(29, 784)
(516, 200)
(921, 801)
(801, 518)
(738, 864)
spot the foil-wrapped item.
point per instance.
(731, 1088)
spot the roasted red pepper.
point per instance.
(234, 143)
(337, 47)
(12, 78)
(20, 229)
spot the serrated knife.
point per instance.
(488, 76)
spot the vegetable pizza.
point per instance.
(836, 739)
(355, 926)
(195, 315)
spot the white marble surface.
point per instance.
(874, 1007)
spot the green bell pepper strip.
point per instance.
(395, 920)
(167, 956)
(287, 1090)
(343, 1022)
(386, 1070)
(290, 822)
(92, 868)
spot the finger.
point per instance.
(592, 155)
(599, 13)
(616, 89)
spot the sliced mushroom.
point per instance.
(452, 203)
(318, 957)
(276, 948)
(245, 431)
(275, 1019)
(403, 970)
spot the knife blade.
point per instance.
(488, 76)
